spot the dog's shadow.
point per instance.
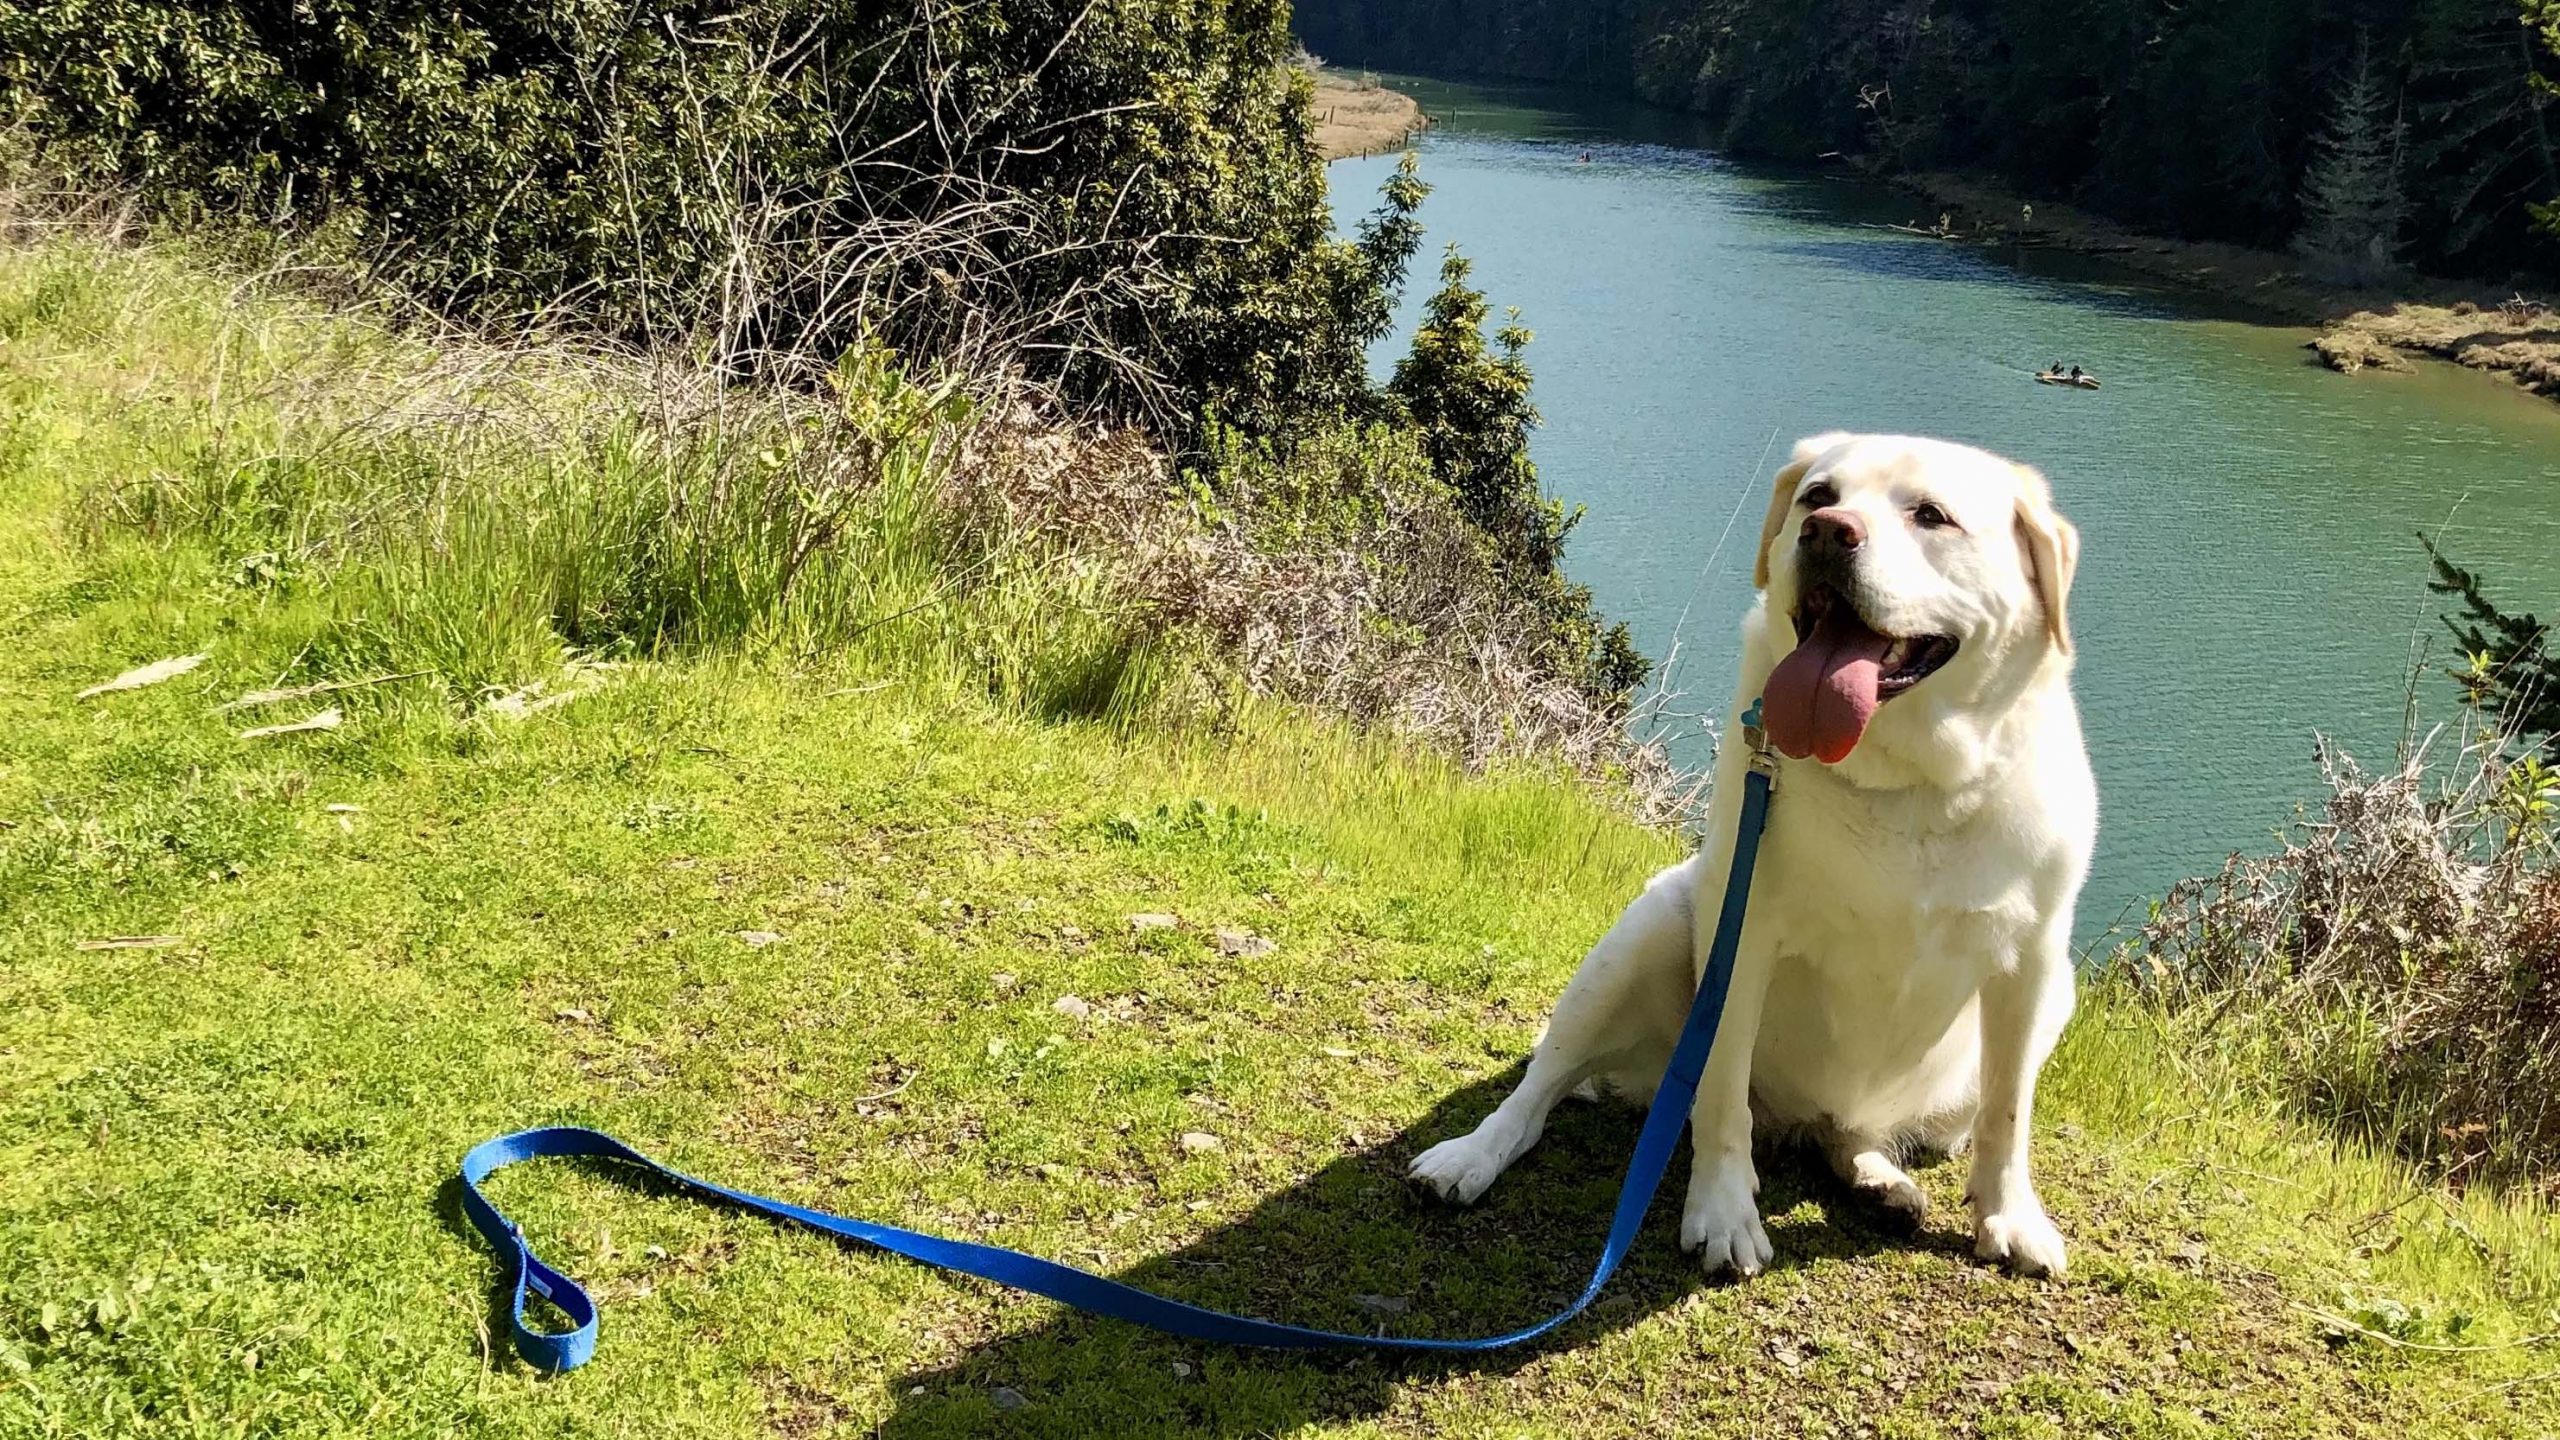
(1356, 1247)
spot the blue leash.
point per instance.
(1663, 1122)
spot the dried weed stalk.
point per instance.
(2399, 958)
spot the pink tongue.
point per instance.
(1820, 698)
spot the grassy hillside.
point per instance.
(796, 899)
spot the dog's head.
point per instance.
(1894, 566)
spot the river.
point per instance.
(2250, 573)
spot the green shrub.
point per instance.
(1471, 405)
(1121, 198)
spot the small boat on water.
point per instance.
(2077, 382)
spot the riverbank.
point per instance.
(2510, 335)
(1355, 115)
(844, 924)
(2519, 338)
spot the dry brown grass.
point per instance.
(1402, 623)
(1355, 115)
(2519, 338)
(2397, 963)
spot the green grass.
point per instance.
(225, 1195)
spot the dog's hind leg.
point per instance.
(1867, 1162)
(1621, 1013)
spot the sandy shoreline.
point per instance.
(1353, 118)
(2469, 325)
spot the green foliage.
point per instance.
(2196, 120)
(1122, 198)
(2351, 196)
(1471, 402)
(2510, 670)
(2542, 22)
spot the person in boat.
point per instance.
(2075, 374)
(2050, 372)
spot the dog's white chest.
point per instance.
(1899, 911)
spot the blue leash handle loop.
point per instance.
(1663, 1122)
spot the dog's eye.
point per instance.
(1819, 496)
(1929, 517)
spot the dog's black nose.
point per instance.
(1833, 530)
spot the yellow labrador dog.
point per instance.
(1905, 968)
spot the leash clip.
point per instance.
(1756, 736)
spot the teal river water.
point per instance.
(2250, 573)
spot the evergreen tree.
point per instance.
(1471, 401)
(2509, 668)
(2480, 145)
(2352, 207)
(2542, 26)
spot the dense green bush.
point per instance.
(1122, 198)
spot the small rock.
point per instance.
(1382, 1304)
(1244, 944)
(1787, 1356)
(1153, 920)
(1052, 1170)
(656, 1252)
(1336, 1052)
(913, 1390)
(572, 1014)
(2192, 1253)
(1073, 1007)
(2068, 1132)
(344, 809)
(758, 939)
(1008, 1398)
(1181, 1370)
(997, 1047)
(1201, 1142)
(1004, 981)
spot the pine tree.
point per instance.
(2542, 24)
(2352, 206)
(1471, 401)
(2509, 670)
(2480, 146)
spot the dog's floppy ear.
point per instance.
(1782, 494)
(2052, 547)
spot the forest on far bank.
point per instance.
(2221, 121)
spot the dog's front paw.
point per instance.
(1459, 1170)
(1721, 1222)
(2020, 1237)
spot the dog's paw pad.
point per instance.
(2023, 1240)
(1458, 1171)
